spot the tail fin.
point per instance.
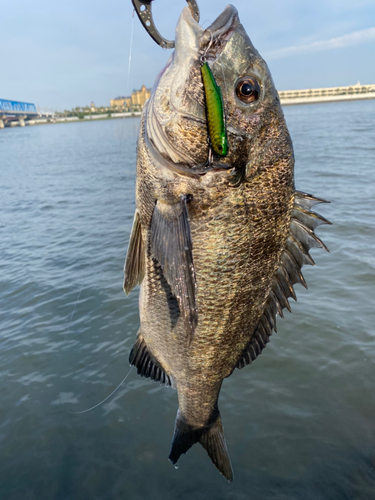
(210, 437)
(213, 441)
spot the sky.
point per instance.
(67, 53)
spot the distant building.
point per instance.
(121, 102)
(135, 101)
(92, 107)
(139, 97)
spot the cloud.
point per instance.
(339, 42)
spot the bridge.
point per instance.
(11, 111)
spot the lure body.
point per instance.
(215, 112)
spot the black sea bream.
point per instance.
(216, 246)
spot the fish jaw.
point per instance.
(176, 123)
(175, 119)
(213, 39)
(188, 33)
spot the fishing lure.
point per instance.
(214, 112)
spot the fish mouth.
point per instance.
(214, 38)
(193, 46)
(209, 42)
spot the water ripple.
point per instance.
(299, 421)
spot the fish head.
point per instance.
(176, 116)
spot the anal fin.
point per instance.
(147, 365)
(135, 258)
(171, 246)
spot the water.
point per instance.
(299, 422)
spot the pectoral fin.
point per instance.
(135, 258)
(171, 246)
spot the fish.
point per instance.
(217, 242)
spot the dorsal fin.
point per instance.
(147, 365)
(294, 256)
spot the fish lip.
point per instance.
(213, 39)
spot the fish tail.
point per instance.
(211, 437)
(213, 441)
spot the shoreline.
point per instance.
(329, 98)
(136, 114)
(70, 119)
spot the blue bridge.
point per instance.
(17, 108)
(10, 111)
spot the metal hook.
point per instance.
(143, 10)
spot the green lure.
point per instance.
(215, 112)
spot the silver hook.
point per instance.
(203, 55)
(144, 12)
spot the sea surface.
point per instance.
(299, 422)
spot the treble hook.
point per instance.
(143, 10)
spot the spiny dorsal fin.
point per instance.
(294, 256)
(135, 258)
(171, 246)
(147, 365)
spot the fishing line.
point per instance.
(116, 163)
(225, 81)
(204, 22)
(104, 400)
(106, 203)
(226, 92)
(126, 89)
(130, 51)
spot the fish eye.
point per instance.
(248, 89)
